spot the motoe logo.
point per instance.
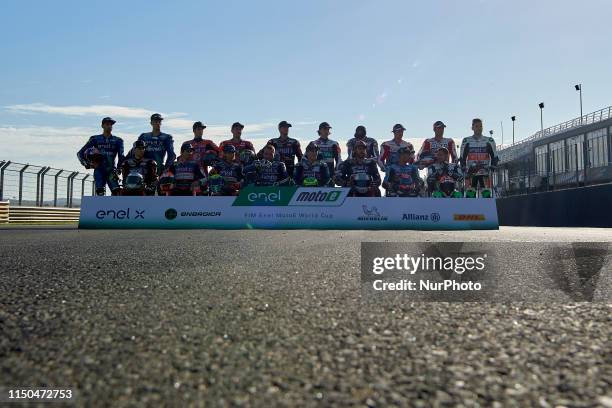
(319, 197)
(291, 196)
(120, 214)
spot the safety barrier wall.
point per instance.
(577, 207)
(36, 215)
(4, 212)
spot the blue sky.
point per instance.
(66, 64)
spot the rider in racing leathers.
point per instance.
(158, 144)
(311, 171)
(187, 174)
(329, 150)
(443, 178)
(266, 172)
(287, 149)
(205, 151)
(147, 168)
(402, 179)
(371, 144)
(229, 171)
(110, 148)
(478, 158)
(237, 141)
(427, 154)
(390, 148)
(349, 171)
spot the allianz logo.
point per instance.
(435, 217)
(120, 214)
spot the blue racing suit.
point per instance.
(111, 148)
(186, 173)
(232, 176)
(402, 180)
(266, 173)
(157, 147)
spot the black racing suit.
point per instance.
(306, 169)
(266, 173)
(353, 166)
(145, 167)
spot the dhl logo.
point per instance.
(468, 217)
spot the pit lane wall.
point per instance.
(576, 207)
(288, 208)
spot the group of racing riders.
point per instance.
(203, 168)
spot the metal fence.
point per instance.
(522, 178)
(43, 186)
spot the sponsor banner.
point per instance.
(288, 208)
(291, 196)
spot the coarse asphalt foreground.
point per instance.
(275, 318)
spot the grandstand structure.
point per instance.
(571, 154)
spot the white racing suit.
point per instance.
(478, 158)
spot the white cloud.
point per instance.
(45, 145)
(57, 146)
(76, 110)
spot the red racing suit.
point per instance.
(239, 144)
(186, 174)
(427, 154)
(389, 154)
(202, 150)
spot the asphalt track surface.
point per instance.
(275, 318)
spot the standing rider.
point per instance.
(205, 151)
(359, 173)
(427, 154)
(139, 174)
(402, 179)
(310, 171)
(329, 150)
(287, 149)
(237, 141)
(100, 153)
(371, 144)
(267, 171)
(389, 154)
(158, 144)
(478, 159)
